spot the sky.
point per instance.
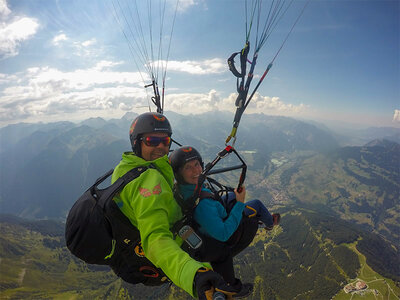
(73, 59)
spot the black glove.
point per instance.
(206, 280)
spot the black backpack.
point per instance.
(98, 232)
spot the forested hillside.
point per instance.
(310, 256)
(361, 184)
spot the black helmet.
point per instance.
(179, 157)
(147, 123)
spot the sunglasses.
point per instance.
(154, 141)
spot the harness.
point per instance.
(219, 192)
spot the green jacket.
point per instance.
(149, 204)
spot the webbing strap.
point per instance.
(118, 185)
(243, 61)
(242, 87)
(112, 249)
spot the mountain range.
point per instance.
(340, 204)
(45, 167)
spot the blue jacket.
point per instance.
(210, 215)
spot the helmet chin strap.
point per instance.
(179, 178)
(137, 149)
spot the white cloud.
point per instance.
(77, 48)
(265, 104)
(40, 92)
(208, 66)
(44, 91)
(6, 79)
(190, 103)
(396, 116)
(186, 4)
(89, 42)
(4, 10)
(58, 38)
(85, 48)
(203, 102)
(13, 31)
(106, 64)
(274, 105)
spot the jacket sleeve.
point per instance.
(155, 211)
(210, 214)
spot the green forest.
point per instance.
(307, 257)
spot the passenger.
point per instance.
(226, 226)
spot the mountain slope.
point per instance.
(35, 264)
(44, 180)
(310, 256)
(361, 184)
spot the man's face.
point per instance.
(151, 151)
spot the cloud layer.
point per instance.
(14, 30)
(396, 116)
(45, 91)
(48, 91)
(208, 66)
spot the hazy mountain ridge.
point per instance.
(45, 167)
(311, 256)
(349, 136)
(256, 132)
(43, 172)
(386, 133)
(12, 134)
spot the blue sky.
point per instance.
(69, 60)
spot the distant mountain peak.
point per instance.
(94, 122)
(129, 116)
(381, 143)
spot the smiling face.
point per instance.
(154, 152)
(191, 171)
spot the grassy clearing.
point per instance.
(379, 287)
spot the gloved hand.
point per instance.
(206, 280)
